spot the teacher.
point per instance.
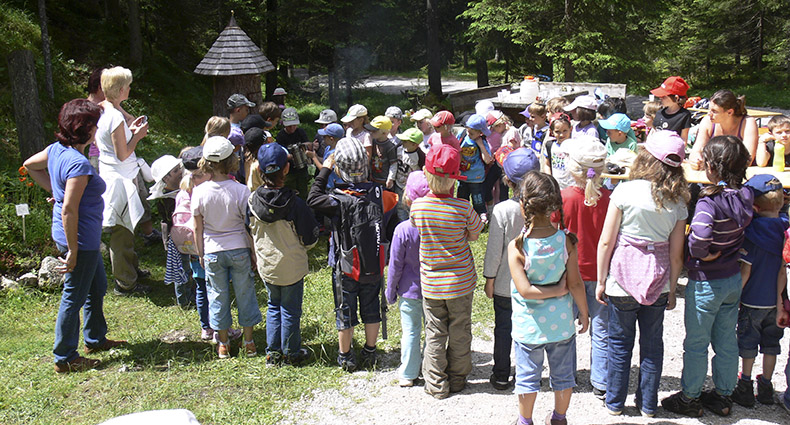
(76, 229)
(726, 117)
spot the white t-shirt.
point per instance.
(223, 206)
(362, 137)
(109, 121)
(558, 163)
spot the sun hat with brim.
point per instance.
(586, 151)
(354, 112)
(379, 123)
(413, 135)
(483, 107)
(217, 148)
(444, 161)
(663, 143)
(332, 130)
(327, 116)
(583, 101)
(290, 117)
(279, 91)
(760, 184)
(159, 169)
(351, 160)
(416, 185)
(422, 114)
(272, 157)
(672, 85)
(519, 162)
(616, 122)
(477, 122)
(443, 118)
(394, 112)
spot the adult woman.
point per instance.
(76, 229)
(125, 198)
(727, 117)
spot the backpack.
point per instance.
(182, 232)
(361, 251)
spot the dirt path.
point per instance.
(375, 398)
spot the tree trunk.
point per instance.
(271, 46)
(135, 36)
(570, 75)
(758, 55)
(507, 65)
(481, 69)
(466, 56)
(334, 103)
(112, 13)
(434, 54)
(224, 87)
(42, 16)
(27, 108)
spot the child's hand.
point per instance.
(782, 316)
(672, 301)
(390, 183)
(766, 137)
(584, 321)
(329, 162)
(711, 256)
(600, 295)
(489, 288)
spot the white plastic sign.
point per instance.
(22, 210)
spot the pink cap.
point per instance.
(663, 143)
(416, 185)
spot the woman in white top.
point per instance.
(125, 198)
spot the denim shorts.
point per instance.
(757, 327)
(226, 270)
(364, 297)
(529, 365)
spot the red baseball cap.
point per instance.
(672, 85)
(444, 161)
(443, 118)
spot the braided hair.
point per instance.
(540, 196)
(727, 158)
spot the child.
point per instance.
(443, 122)
(778, 132)
(714, 287)
(583, 110)
(254, 138)
(219, 208)
(330, 135)
(216, 126)
(502, 134)
(410, 158)
(534, 130)
(544, 268)
(271, 113)
(447, 274)
(422, 122)
(404, 280)
(650, 112)
(506, 223)
(326, 117)
(238, 109)
(294, 139)
(619, 132)
(355, 119)
(553, 155)
(474, 157)
(644, 231)
(395, 115)
(672, 115)
(764, 276)
(555, 105)
(357, 205)
(283, 229)
(584, 204)
(384, 159)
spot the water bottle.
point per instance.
(529, 89)
(779, 157)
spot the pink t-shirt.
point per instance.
(436, 139)
(223, 206)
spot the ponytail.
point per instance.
(727, 157)
(741, 106)
(726, 99)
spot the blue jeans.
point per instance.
(503, 342)
(476, 191)
(84, 286)
(201, 293)
(221, 268)
(711, 315)
(529, 365)
(412, 324)
(599, 337)
(283, 318)
(624, 313)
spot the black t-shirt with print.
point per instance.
(676, 122)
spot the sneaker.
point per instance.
(678, 403)
(138, 289)
(347, 361)
(297, 358)
(248, 347)
(207, 334)
(744, 393)
(233, 334)
(274, 358)
(405, 383)
(765, 390)
(368, 357)
(599, 394)
(77, 365)
(223, 350)
(716, 403)
(499, 383)
(613, 412)
(154, 237)
(108, 344)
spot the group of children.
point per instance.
(562, 246)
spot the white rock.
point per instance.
(9, 283)
(49, 278)
(28, 279)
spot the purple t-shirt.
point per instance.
(65, 163)
(403, 278)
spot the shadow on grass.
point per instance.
(160, 355)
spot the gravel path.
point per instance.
(375, 398)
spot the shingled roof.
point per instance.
(233, 54)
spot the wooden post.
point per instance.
(27, 107)
(42, 16)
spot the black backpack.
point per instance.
(361, 251)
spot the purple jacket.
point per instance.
(403, 277)
(718, 226)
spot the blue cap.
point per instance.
(518, 163)
(478, 122)
(763, 183)
(333, 130)
(616, 122)
(272, 157)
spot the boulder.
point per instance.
(28, 279)
(9, 283)
(49, 278)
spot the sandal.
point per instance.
(716, 403)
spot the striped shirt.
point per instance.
(447, 268)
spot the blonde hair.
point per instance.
(592, 186)
(651, 108)
(555, 104)
(186, 181)
(113, 80)
(537, 109)
(228, 165)
(438, 184)
(216, 126)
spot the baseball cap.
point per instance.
(583, 101)
(416, 185)
(191, 157)
(493, 116)
(254, 137)
(444, 161)
(662, 143)
(585, 151)
(477, 122)
(526, 113)
(413, 135)
(333, 130)
(422, 114)
(354, 112)
(351, 160)
(217, 148)
(272, 157)
(290, 117)
(394, 112)
(279, 91)
(762, 184)
(483, 107)
(379, 123)
(672, 85)
(236, 136)
(616, 122)
(254, 121)
(238, 99)
(519, 162)
(443, 118)
(327, 116)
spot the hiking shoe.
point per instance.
(248, 347)
(678, 403)
(77, 365)
(223, 350)
(233, 334)
(154, 237)
(368, 357)
(716, 403)
(765, 390)
(108, 344)
(274, 358)
(347, 361)
(138, 289)
(744, 393)
(599, 394)
(207, 334)
(499, 383)
(297, 358)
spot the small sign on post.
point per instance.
(21, 211)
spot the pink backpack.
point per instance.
(182, 232)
